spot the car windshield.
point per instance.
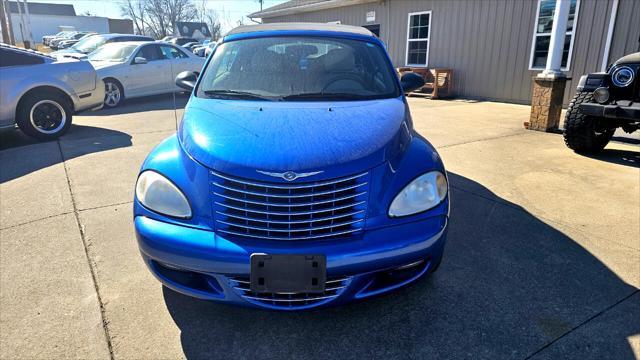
(299, 68)
(112, 52)
(89, 44)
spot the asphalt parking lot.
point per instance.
(542, 259)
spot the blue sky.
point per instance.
(230, 11)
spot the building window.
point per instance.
(542, 34)
(419, 28)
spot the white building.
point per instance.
(46, 19)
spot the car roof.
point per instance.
(112, 35)
(123, 43)
(300, 26)
(26, 51)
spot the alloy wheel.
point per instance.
(47, 116)
(112, 94)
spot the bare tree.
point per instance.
(135, 9)
(211, 18)
(158, 18)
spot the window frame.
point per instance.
(535, 35)
(428, 39)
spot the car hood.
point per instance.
(339, 138)
(72, 53)
(633, 58)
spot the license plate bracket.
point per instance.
(281, 273)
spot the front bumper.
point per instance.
(202, 264)
(627, 111)
(91, 100)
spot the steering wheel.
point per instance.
(352, 77)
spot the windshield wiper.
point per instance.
(324, 95)
(236, 93)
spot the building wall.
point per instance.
(488, 42)
(49, 24)
(626, 34)
(120, 26)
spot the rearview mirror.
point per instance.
(411, 81)
(139, 60)
(187, 80)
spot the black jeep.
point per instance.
(604, 102)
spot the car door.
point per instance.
(13, 67)
(151, 77)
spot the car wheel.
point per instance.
(584, 133)
(44, 116)
(113, 93)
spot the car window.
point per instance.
(171, 52)
(300, 67)
(17, 58)
(150, 52)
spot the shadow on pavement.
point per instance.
(19, 160)
(617, 156)
(142, 104)
(509, 285)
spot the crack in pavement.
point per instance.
(602, 312)
(483, 139)
(64, 213)
(92, 269)
(36, 220)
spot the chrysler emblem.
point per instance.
(289, 175)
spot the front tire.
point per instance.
(584, 133)
(113, 93)
(44, 116)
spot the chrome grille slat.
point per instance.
(291, 222)
(299, 211)
(291, 230)
(290, 300)
(289, 196)
(327, 289)
(289, 238)
(293, 213)
(334, 288)
(292, 186)
(289, 204)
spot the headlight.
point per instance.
(157, 193)
(601, 95)
(423, 193)
(622, 76)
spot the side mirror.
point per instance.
(411, 81)
(139, 60)
(187, 80)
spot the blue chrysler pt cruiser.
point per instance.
(296, 179)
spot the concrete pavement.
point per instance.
(543, 255)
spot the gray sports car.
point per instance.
(40, 93)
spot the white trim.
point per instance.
(607, 46)
(428, 39)
(321, 5)
(535, 35)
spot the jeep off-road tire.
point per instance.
(44, 115)
(580, 130)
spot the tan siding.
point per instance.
(488, 42)
(626, 33)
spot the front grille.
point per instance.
(298, 211)
(334, 287)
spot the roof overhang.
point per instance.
(322, 5)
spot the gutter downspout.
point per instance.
(612, 25)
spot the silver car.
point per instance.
(40, 93)
(137, 68)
